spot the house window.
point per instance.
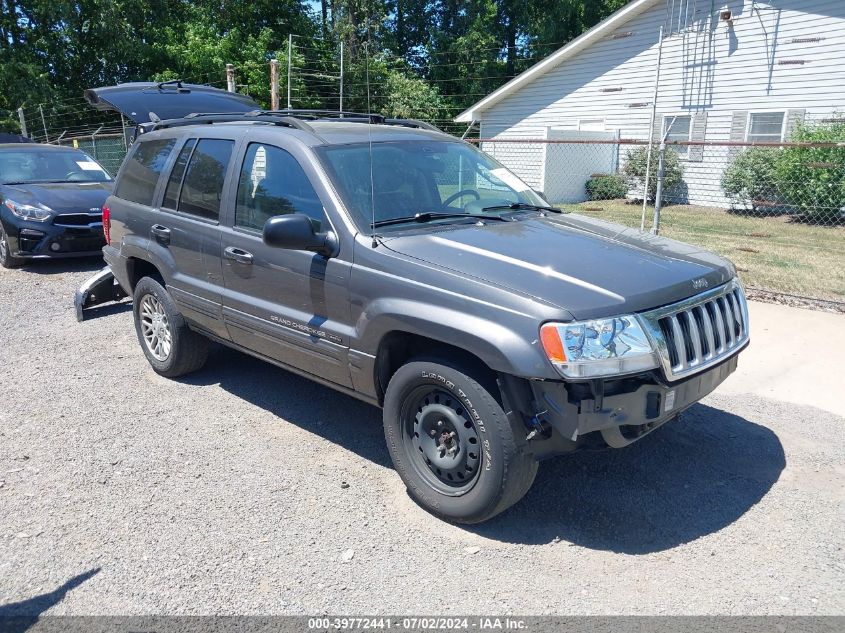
(591, 125)
(765, 127)
(677, 128)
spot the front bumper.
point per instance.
(40, 240)
(615, 412)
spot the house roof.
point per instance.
(600, 30)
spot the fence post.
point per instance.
(123, 132)
(22, 119)
(230, 77)
(658, 198)
(274, 84)
(94, 142)
(44, 123)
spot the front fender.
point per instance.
(513, 349)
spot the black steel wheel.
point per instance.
(451, 442)
(439, 429)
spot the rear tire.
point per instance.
(171, 347)
(6, 258)
(452, 444)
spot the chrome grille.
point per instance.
(700, 331)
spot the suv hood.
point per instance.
(167, 100)
(588, 267)
(76, 197)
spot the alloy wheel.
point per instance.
(155, 327)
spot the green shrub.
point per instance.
(812, 179)
(750, 180)
(606, 187)
(635, 168)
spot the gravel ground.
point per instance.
(125, 493)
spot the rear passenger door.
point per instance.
(292, 306)
(187, 231)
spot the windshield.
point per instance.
(421, 177)
(31, 165)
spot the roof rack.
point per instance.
(262, 116)
(295, 119)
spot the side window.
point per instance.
(765, 126)
(272, 183)
(174, 183)
(138, 181)
(677, 128)
(204, 176)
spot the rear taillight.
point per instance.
(107, 223)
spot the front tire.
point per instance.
(452, 444)
(171, 347)
(6, 258)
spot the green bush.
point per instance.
(606, 187)
(812, 179)
(635, 168)
(750, 180)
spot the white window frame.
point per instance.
(768, 111)
(683, 152)
(593, 120)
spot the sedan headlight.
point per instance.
(38, 213)
(601, 347)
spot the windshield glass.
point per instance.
(27, 165)
(418, 177)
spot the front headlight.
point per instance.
(601, 347)
(29, 212)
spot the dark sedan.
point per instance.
(51, 201)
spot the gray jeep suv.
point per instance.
(404, 267)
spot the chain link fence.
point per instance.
(108, 149)
(777, 210)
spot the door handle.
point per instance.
(237, 254)
(160, 233)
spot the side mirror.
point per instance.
(295, 231)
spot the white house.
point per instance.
(730, 70)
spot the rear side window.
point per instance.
(174, 183)
(138, 181)
(202, 186)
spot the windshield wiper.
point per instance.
(428, 216)
(522, 205)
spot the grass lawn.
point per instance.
(770, 253)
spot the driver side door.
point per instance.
(291, 306)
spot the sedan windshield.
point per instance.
(398, 180)
(33, 165)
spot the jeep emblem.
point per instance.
(699, 283)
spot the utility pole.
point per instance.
(341, 76)
(658, 198)
(230, 77)
(44, 123)
(651, 126)
(22, 119)
(290, 50)
(274, 84)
